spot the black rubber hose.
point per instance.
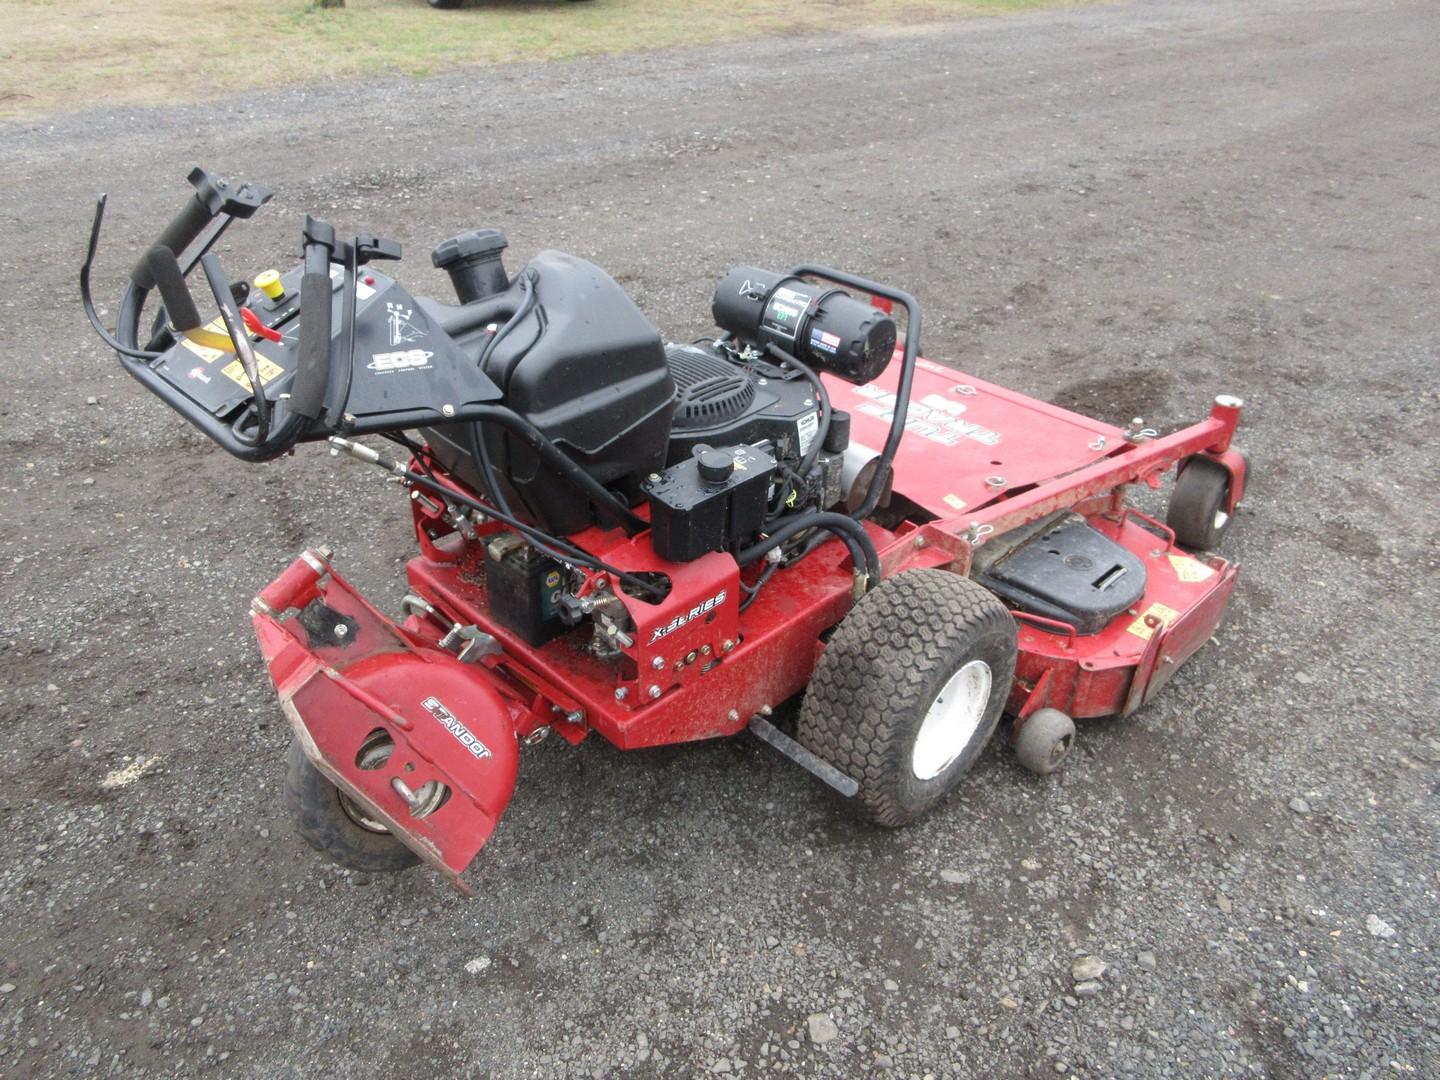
(478, 313)
(563, 550)
(907, 370)
(752, 591)
(87, 299)
(560, 462)
(477, 431)
(822, 397)
(846, 529)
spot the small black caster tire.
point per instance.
(1197, 511)
(1045, 741)
(909, 690)
(446, 4)
(334, 825)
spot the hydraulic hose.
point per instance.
(822, 397)
(556, 548)
(849, 531)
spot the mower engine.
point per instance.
(720, 438)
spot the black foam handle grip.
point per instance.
(312, 369)
(189, 223)
(163, 271)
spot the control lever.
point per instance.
(370, 248)
(363, 249)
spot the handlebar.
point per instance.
(189, 223)
(260, 427)
(217, 201)
(214, 195)
(312, 366)
(907, 369)
(158, 267)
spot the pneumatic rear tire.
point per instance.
(909, 690)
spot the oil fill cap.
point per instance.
(269, 283)
(715, 466)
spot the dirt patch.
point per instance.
(1120, 395)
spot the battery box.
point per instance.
(524, 588)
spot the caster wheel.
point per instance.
(1197, 505)
(1045, 741)
(335, 826)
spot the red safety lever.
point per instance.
(252, 321)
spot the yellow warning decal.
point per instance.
(1156, 613)
(235, 371)
(204, 352)
(1190, 570)
(955, 502)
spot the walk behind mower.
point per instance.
(661, 543)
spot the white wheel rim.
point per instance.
(951, 721)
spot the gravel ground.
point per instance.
(1124, 209)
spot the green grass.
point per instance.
(57, 55)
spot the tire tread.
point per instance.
(880, 665)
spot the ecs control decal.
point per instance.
(403, 360)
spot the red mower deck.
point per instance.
(982, 459)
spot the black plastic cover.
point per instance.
(1070, 572)
(722, 402)
(690, 516)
